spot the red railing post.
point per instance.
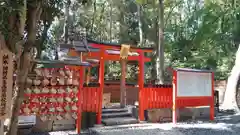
(97, 99)
(101, 81)
(174, 96)
(141, 86)
(81, 81)
(150, 99)
(212, 101)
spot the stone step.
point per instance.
(119, 121)
(117, 110)
(116, 114)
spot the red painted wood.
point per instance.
(154, 98)
(88, 101)
(193, 101)
(157, 98)
(91, 99)
(174, 95)
(107, 47)
(84, 99)
(141, 85)
(148, 99)
(212, 110)
(151, 97)
(101, 81)
(113, 57)
(97, 100)
(91, 94)
(81, 80)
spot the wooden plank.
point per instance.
(6, 75)
(106, 100)
(1, 127)
(1, 71)
(64, 122)
(60, 127)
(9, 84)
(123, 96)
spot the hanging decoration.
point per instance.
(124, 51)
(53, 94)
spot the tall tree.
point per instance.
(24, 32)
(67, 20)
(231, 97)
(29, 12)
(230, 101)
(139, 11)
(160, 47)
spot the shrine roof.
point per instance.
(112, 51)
(61, 62)
(94, 46)
(78, 47)
(72, 61)
(116, 45)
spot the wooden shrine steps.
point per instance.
(117, 116)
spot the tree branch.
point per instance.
(171, 11)
(32, 17)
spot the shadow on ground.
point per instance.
(160, 129)
(226, 123)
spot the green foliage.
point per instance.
(197, 34)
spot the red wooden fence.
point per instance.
(156, 97)
(91, 99)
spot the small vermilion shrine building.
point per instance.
(98, 53)
(90, 97)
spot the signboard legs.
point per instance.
(174, 107)
(212, 107)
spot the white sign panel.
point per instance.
(194, 84)
(26, 120)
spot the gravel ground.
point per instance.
(170, 129)
(223, 125)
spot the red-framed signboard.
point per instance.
(192, 88)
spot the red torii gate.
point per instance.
(112, 52)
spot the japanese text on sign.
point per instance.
(4, 85)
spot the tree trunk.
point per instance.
(21, 82)
(101, 37)
(230, 98)
(160, 50)
(24, 64)
(93, 16)
(229, 102)
(66, 24)
(140, 24)
(56, 52)
(121, 19)
(40, 42)
(110, 29)
(43, 39)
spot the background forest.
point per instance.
(197, 33)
